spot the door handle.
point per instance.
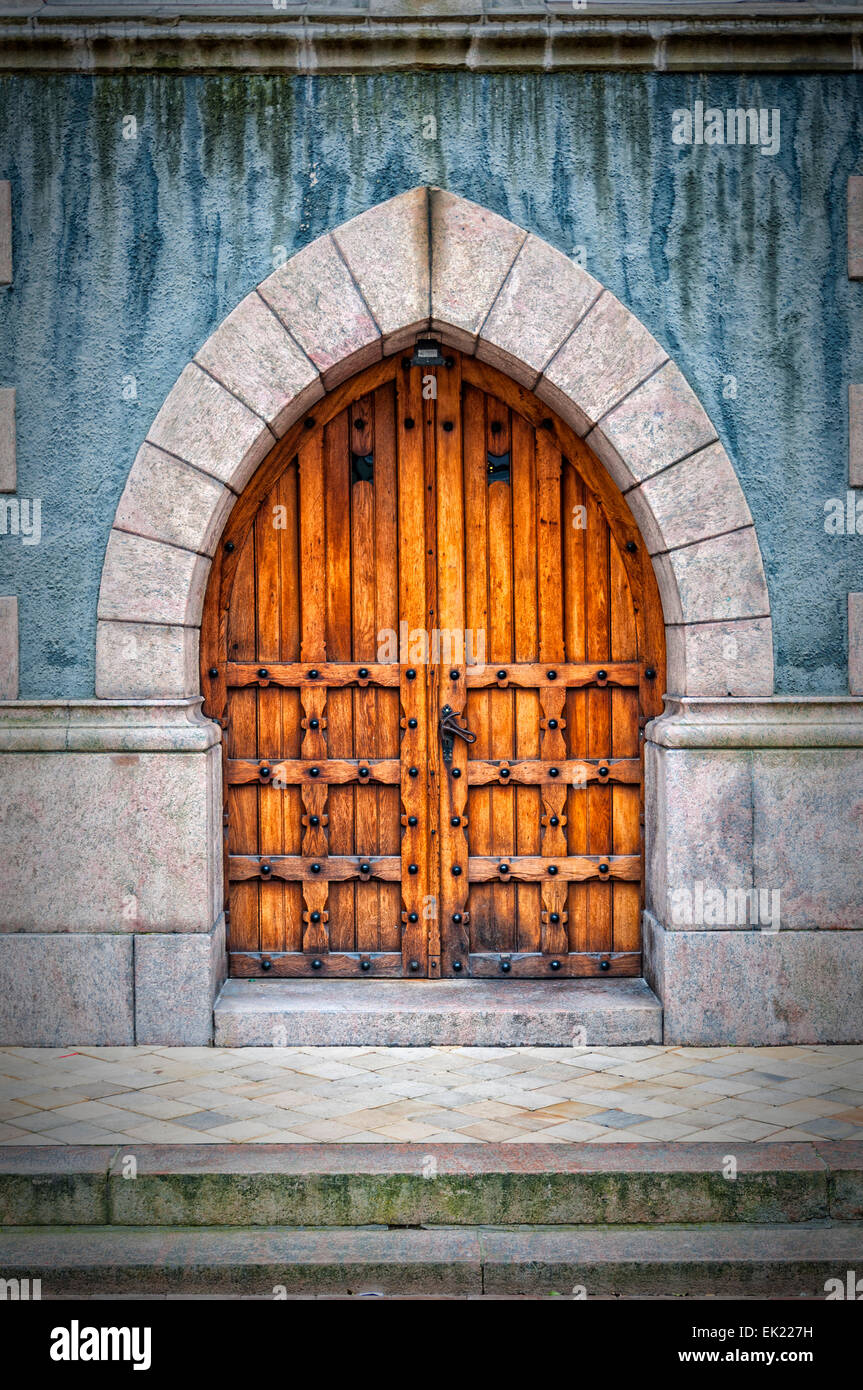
(448, 728)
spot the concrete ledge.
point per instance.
(776, 721)
(445, 1013)
(768, 1261)
(437, 1184)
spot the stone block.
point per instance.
(5, 232)
(387, 252)
(8, 455)
(255, 358)
(472, 251)
(698, 831)
(756, 989)
(114, 842)
(855, 436)
(855, 228)
(608, 355)
(733, 658)
(714, 580)
(177, 978)
(855, 644)
(166, 500)
(808, 834)
(8, 649)
(691, 501)
(660, 423)
(146, 581)
(543, 297)
(317, 301)
(66, 990)
(204, 424)
(146, 661)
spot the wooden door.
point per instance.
(432, 636)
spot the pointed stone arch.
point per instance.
(430, 260)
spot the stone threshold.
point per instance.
(437, 1013)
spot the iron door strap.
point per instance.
(448, 728)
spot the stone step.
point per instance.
(718, 1261)
(464, 1185)
(437, 1013)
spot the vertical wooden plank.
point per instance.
(599, 830)
(340, 744)
(386, 621)
(552, 651)
(364, 649)
(420, 939)
(289, 617)
(313, 640)
(526, 648)
(241, 739)
(500, 551)
(626, 826)
(451, 683)
(475, 474)
(573, 533)
(268, 594)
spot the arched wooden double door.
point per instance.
(432, 635)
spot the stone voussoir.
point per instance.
(609, 354)
(657, 424)
(387, 251)
(144, 660)
(204, 424)
(543, 297)
(319, 303)
(472, 250)
(167, 500)
(252, 355)
(147, 581)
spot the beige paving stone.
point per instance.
(325, 1129)
(669, 1130)
(241, 1129)
(159, 1132)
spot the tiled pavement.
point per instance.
(103, 1095)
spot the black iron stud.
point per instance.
(555, 820)
(364, 772)
(411, 674)
(602, 675)
(603, 772)
(413, 772)
(264, 673)
(413, 820)
(553, 772)
(554, 916)
(555, 965)
(455, 820)
(409, 424)
(547, 423)
(365, 965)
(230, 547)
(650, 673)
(456, 772)
(363, 673)
(456, 870)
(314, 820)
(505, 771)
(265, 772)
(412, 723)
(413, 916)
(603, 868)
(313, 675)
(315, 916)
(552, 723)
(214, 671)
(314, 772)
(448, 426)
(266, 965)
(310, 422)
(413, 869)
(414, 965)
(365, 868)
(266, 868)
(552, 869)
(506, 966)
(316, 964)
(456, 965)
(631, 547)
(453, 675)
(456, 917)
(605, 965)
(504, 868)
(316, 868)
(551, 675)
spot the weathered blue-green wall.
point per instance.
(128, 252)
